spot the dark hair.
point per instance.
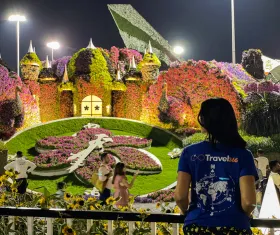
(19, 154)
(103, 156)
(272, 164)
(260, 151)
(60, 185)
(217, 117)
(118, 170)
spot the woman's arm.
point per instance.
(248, 193)
(182, 190)
(129, 185)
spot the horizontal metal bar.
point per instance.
(108, 215)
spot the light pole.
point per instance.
(17, 18)
(53, 46)
(233, 32)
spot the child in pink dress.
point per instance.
(121, 185)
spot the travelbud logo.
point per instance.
(210, 158)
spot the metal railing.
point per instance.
(69, 215)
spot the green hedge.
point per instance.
(268, 144)
(26, 140)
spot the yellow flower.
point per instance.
(91, 199)
(158, 205)
(68, 231)
(92, 208)
(42, 200)
(70, 207)
(124, 208)
(177, 210)
(111, 201)
(67, 196)
(14, 190)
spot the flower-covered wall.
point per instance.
(129, 104)
(49, 106)
(189, 83)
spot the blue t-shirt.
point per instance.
(215, 192)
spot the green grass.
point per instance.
(163, 142)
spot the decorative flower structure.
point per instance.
(19, 107)
(55, 152)
(192, 83)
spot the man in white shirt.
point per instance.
(105, 174)
(275, 172)
(22, 167)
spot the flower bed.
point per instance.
(162, 195)
(90, 133)
(64, 142)
(134, 159)
(92, 164)
(56, 159)
(129, 141)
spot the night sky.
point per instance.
(203, 27)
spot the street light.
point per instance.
(53, 46)
(178, 50)
(17, 18)
(233, 32)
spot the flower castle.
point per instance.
(90, 85)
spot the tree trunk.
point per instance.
(3, 160)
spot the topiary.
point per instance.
(91, 65)
(252, 63)
(149, 59)
(262, 116)
(31, 58)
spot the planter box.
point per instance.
(3, 160)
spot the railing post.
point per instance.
(12, 220)
(110, 227)
(30, 223)
(89, 224)
(49, 226)
(130, 227)
(69, 222)
(175, 229)
(271, 231)
(153, 226)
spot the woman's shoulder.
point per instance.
(194, 147)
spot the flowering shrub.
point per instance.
(58, 66)
(129, 141)
(53, 159)
(134, 159)
(19, 111)
(261, 87)
(163, 195)
(90, 133)
(64, 142)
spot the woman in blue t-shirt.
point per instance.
(220, 172)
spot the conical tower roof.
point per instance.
(30, 50)
(90, 45)
(133, 64)
(150, 50)
(65, 75)
(47, 63)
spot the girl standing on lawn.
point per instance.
(121, 185)
(221, 174)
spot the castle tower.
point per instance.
(47, 75)
(30, 65)
(150, 65)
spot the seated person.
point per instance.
(60, 190)
(257, 183)
(275, 173)
(262, 161)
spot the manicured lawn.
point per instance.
(162, 144)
